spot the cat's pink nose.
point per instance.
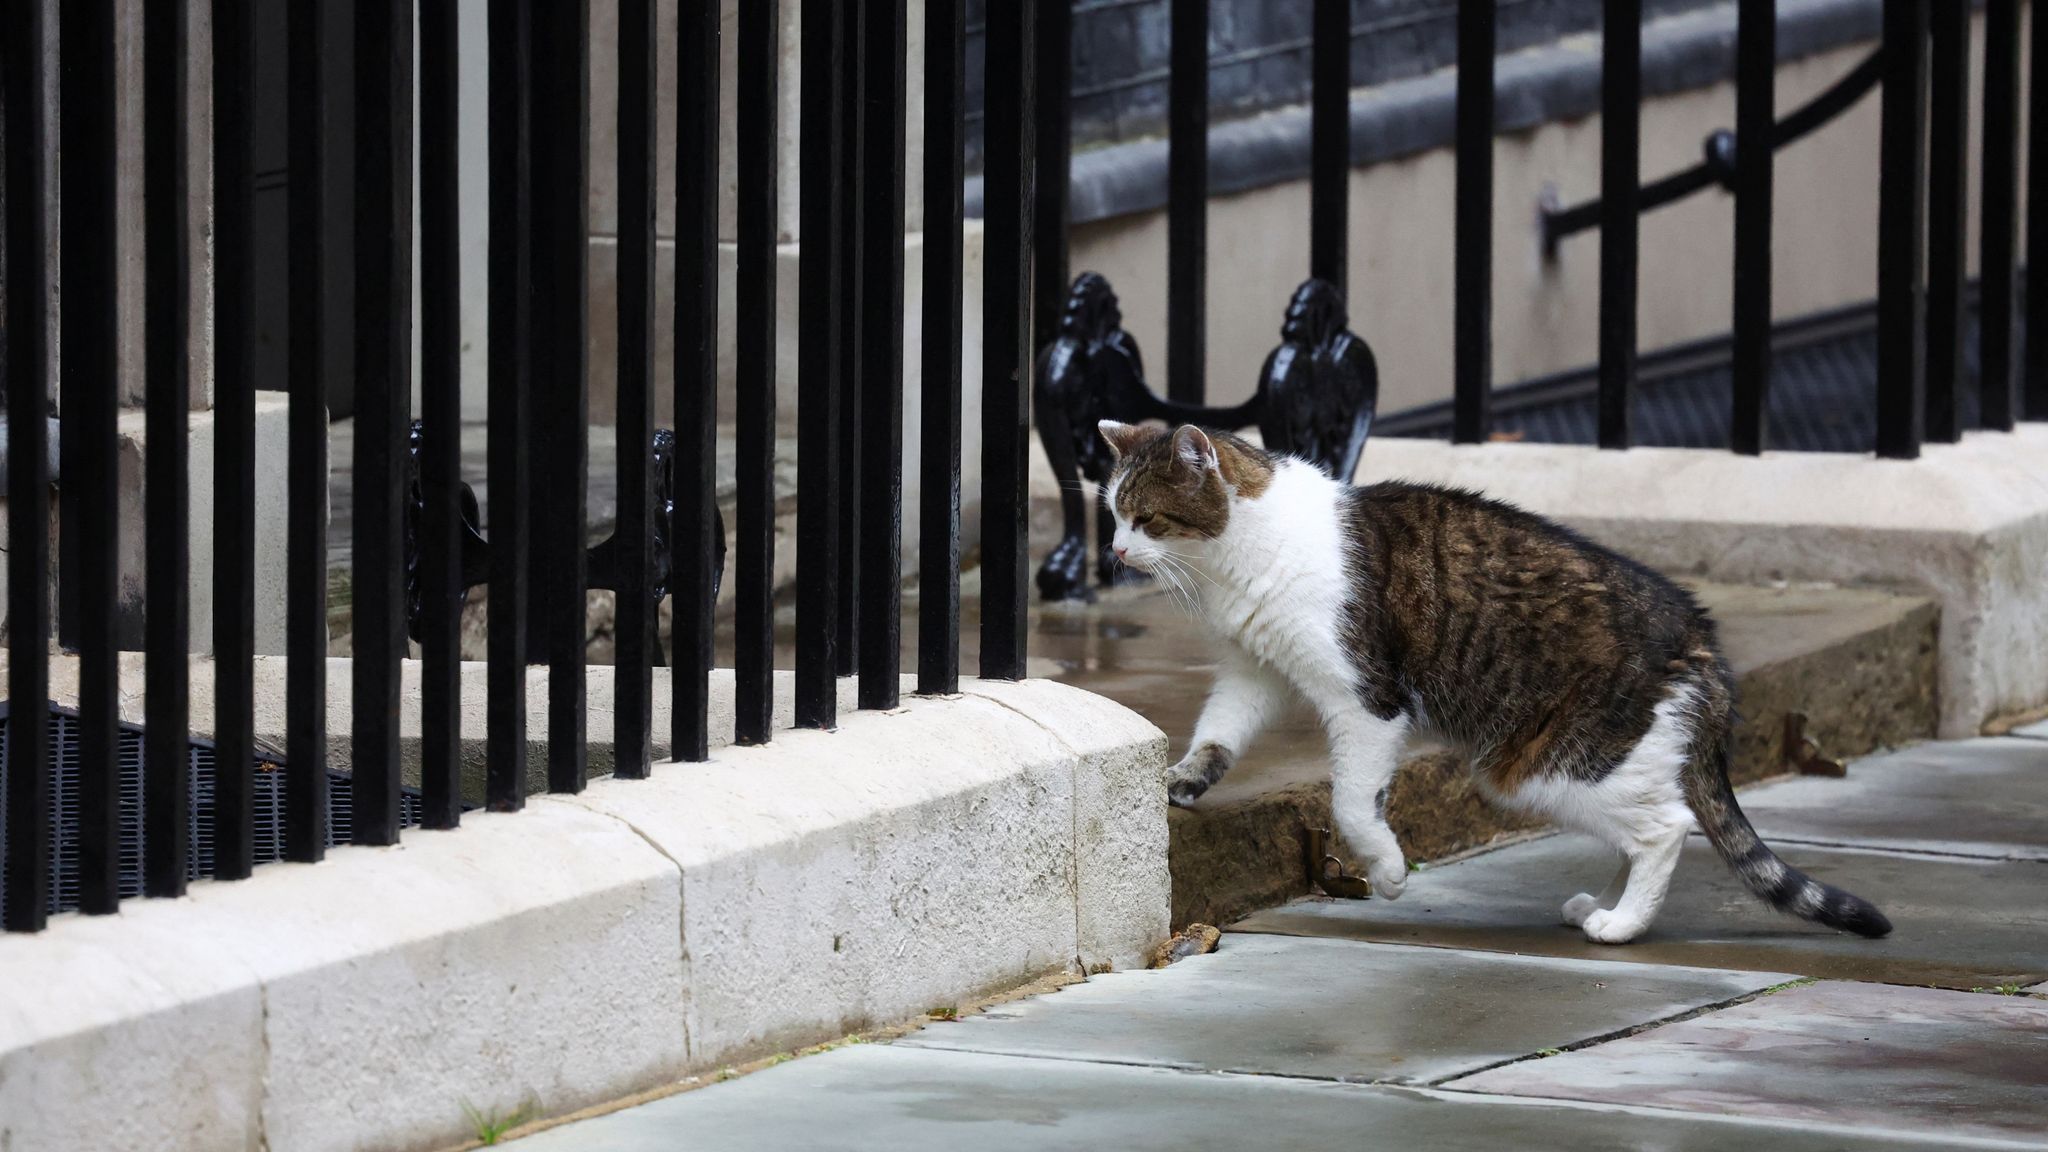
(1120, 551)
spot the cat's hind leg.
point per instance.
(1640, 808)
(1246, 696)
(1579, 907)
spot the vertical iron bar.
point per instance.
(938, 580)
(1901, 232)
(2001, 211)
(1472, 319)
(234, 451)
(632, 667)
(166, 800)
(2035, 385)
(88, 326)
(1621, 95)
(852, 167)
(1329, 215)
(1009, 145)
(383, 258)
(561, 223)
(440, 546)
(1947, 217)
(754, 374)
(1055, 162)
(881, 395)
(1756, 78)
(510, 448)
(24, 334)
(822, 189)
(1187, 201)
(305, 784)
(692, 543)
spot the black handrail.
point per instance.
(1718, 166)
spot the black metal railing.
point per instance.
(418, 541)
(418, 545)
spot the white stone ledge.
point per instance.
(601, 944)
(1967, 523)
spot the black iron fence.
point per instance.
(417, 544)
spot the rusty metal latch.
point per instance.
(1326, 870)
(1802, 755)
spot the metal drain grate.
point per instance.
(268, 801)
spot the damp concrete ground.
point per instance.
(1465, 1016)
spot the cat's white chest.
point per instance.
(1282, 579)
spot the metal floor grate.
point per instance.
(64, 789)
(1823, 395)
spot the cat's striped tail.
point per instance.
(1712, 799)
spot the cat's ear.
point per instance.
(1193, 448)
(1123, 439)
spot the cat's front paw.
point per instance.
(1183, 791)
(1389, 877)
(1579, 907)
(1605, 926)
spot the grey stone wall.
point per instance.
(1259, 53)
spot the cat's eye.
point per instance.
(1141, 520)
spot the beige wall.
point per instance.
(1545, 312)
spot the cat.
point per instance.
(1583, 686)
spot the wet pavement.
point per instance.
(1465, 1017)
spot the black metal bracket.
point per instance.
(1717, 166)
(1315, 400)
(602, 559)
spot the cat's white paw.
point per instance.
(1389, 877)
(1579, 907)
(1605, 926)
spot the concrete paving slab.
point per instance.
(1900, 1059)
(1970, 798)
(1958, 923)
(2038, 730)
(892, 1098)
(1339, 1010)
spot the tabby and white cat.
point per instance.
(1582, 685)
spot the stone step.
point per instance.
(1859, 664)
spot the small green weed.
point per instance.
(1550, 1051)
(1774, 989)
(2001, 990)
(949, 1013)
(489, 1127)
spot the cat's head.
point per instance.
(1173, 491)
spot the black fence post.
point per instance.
(1948, 215)
(23, 335)
(693, 544)
(1329, 214)
(1472, 318)
(945, 101)
(166, 789)
(634, 607)
(1901, 232)
(305, 786)
(1621, 97)
(383, 258)
(561, 220)
(881, 394)
(1998, 380)
(852, 335)
(1055, 165)
(89, 322)
(754, 374)
(822, 191)
(2035, 387)
(234, 457)
(1009, 145)
(440, 522)
(1756, 79)
(1187, 200)
(509, 367)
